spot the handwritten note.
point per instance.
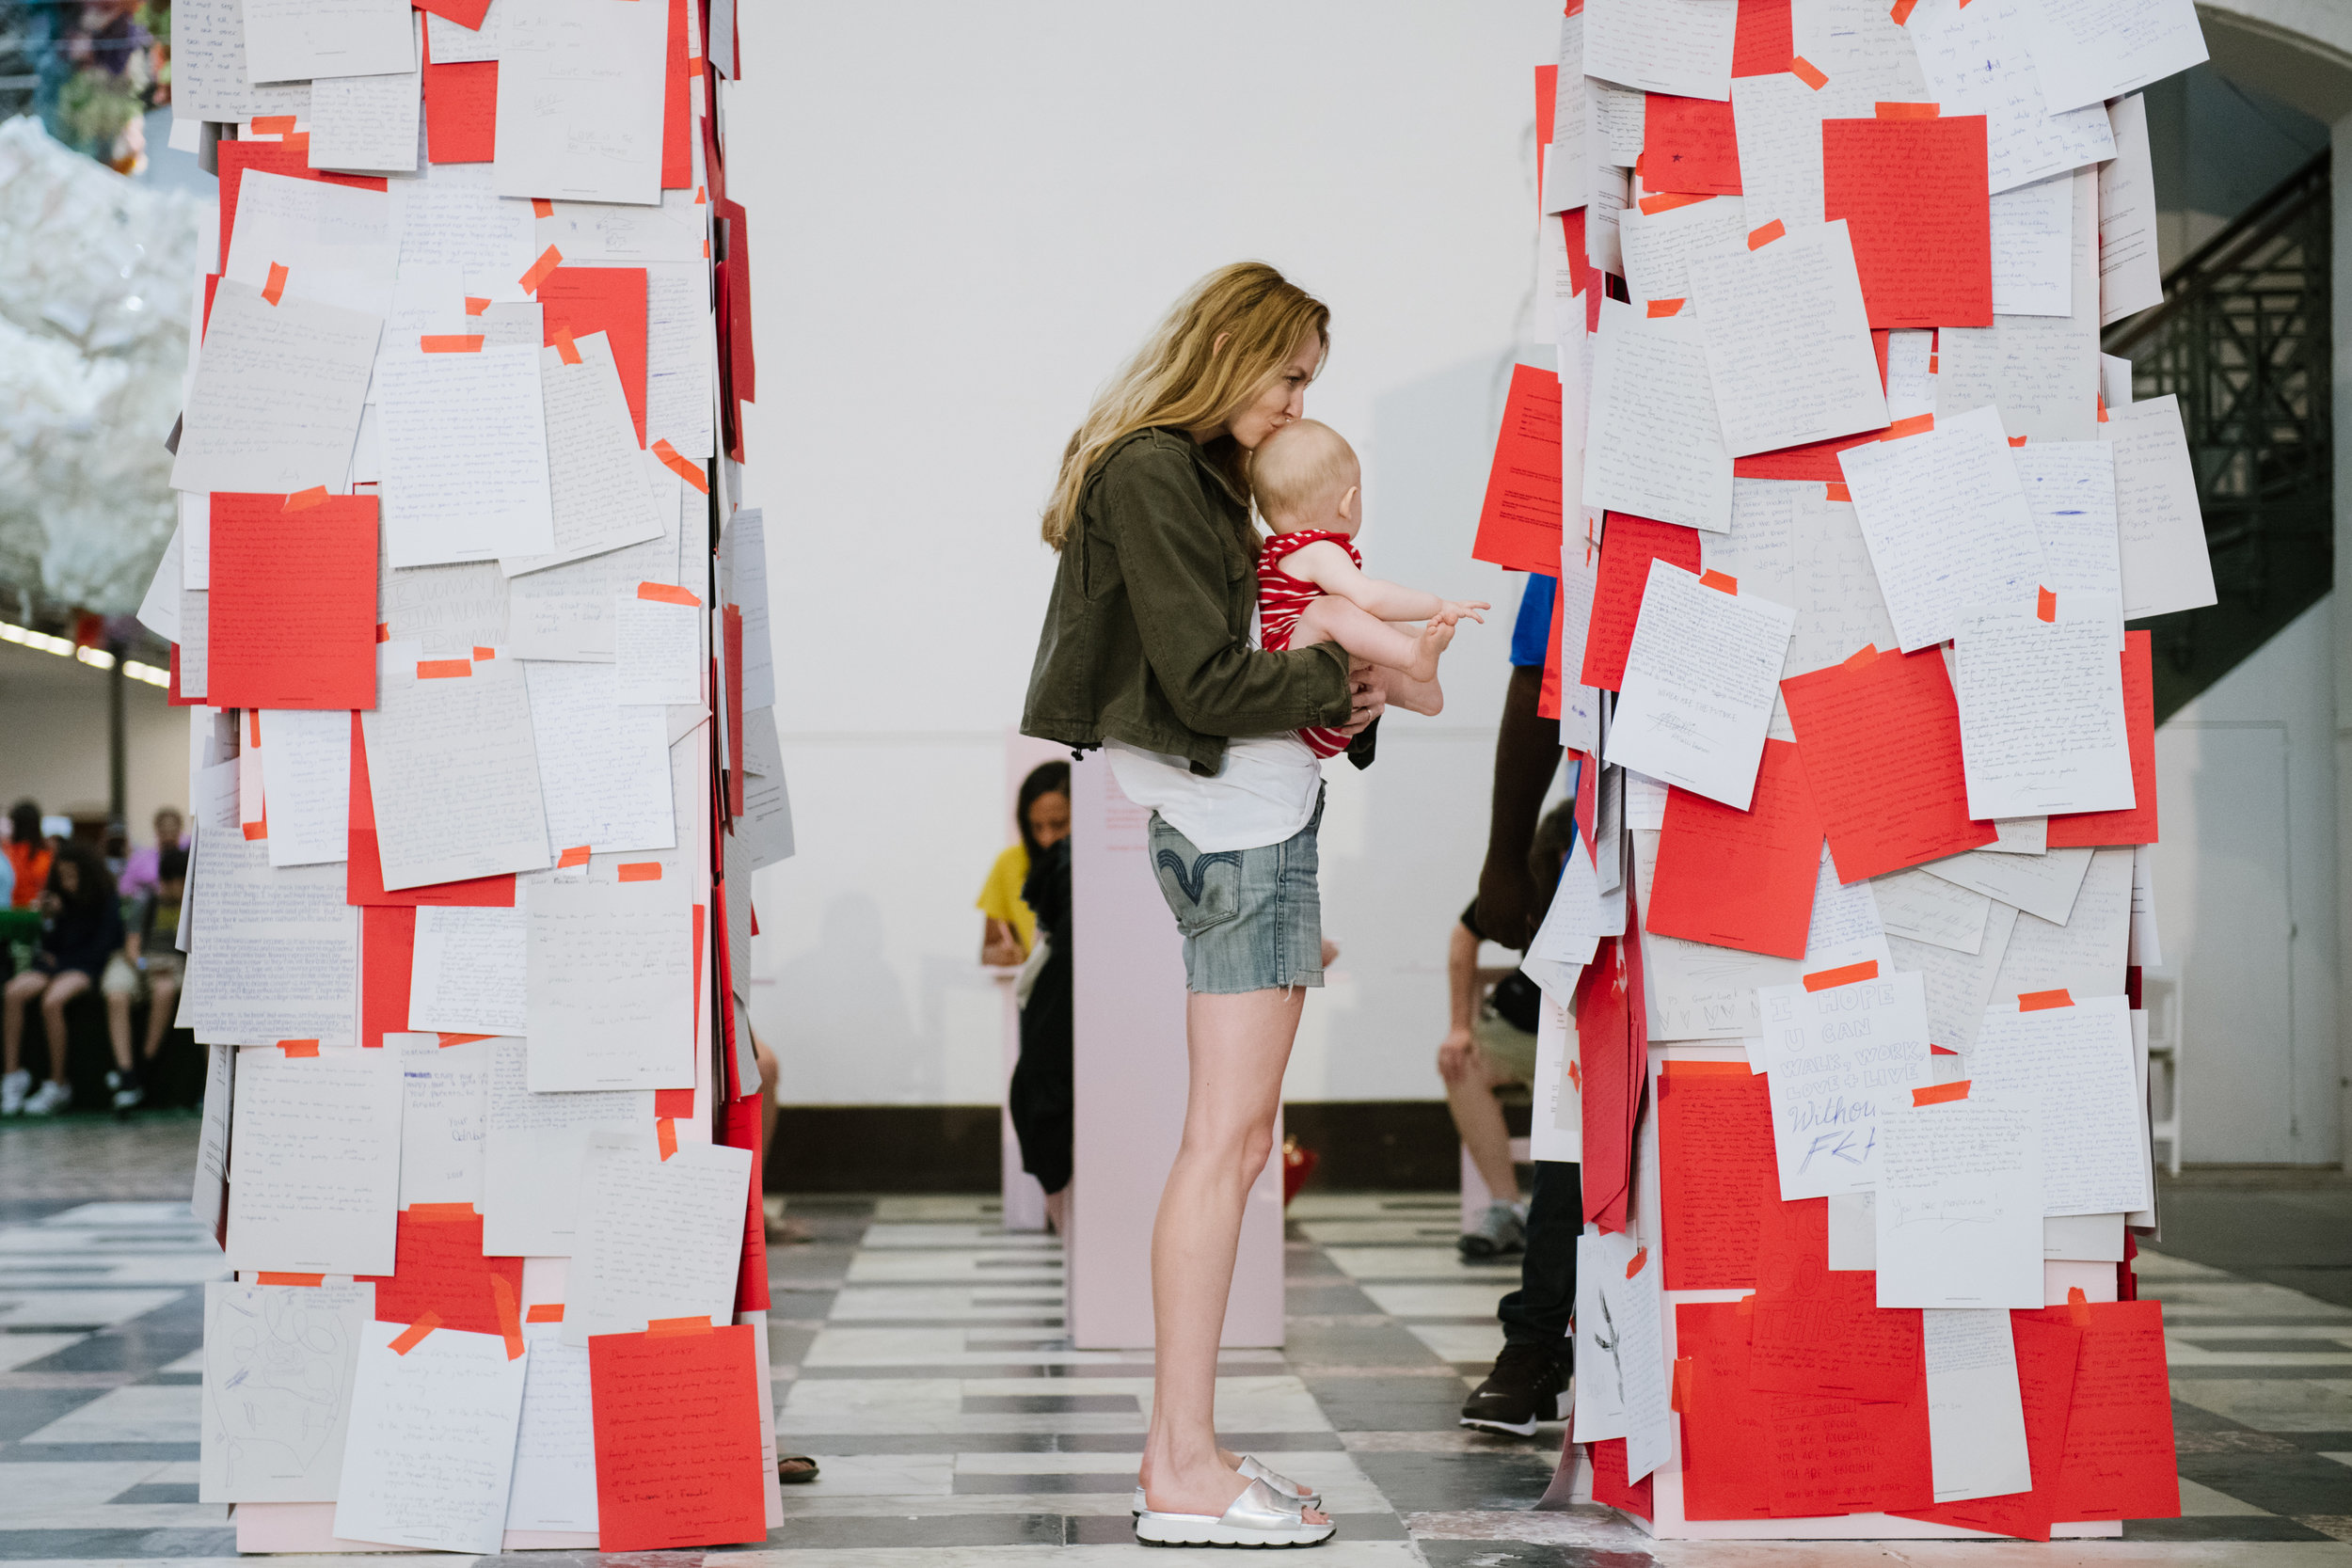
(209, 78)
(278, 1363)
(2070, 490)
(678, 1461)
(465, 457)
(2073, 1067)
(1946, 519)
(1658, 245)
(454, 217)
(579, 101)
(2033, 249)
(658, 1238)
(295, 595)
(1959, 1207)
(657, 650)
(1677, 46)
(314, 1161)
(2039, 372)
(1914, 193)
(1787, 341)
(432, 1442)
(445, 1102)
(611, 985)
(1654, 447)
(468, 974)
(596, 472)
(275, 403)
(1976, 1409)
(427, 733)
(2042, 708)
(2166, 565)
(274, 950)
(1975, 63)
(1927, 909)
(306, 770)
(1837, 1058)
(2131, 278)
(1699, 686)
(2087, 50)
(604, 768)
(533, 1151)
(367, 122)
(555, 1445)
(1834, 590)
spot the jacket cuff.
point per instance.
(1338, 712)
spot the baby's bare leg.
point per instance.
(1333, 619)
(1425, 698)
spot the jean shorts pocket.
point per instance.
(1201, 889)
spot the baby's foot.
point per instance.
(1433, 638)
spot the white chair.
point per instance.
(2160, 994)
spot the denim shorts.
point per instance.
(1251, 919)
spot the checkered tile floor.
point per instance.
(919, 1354)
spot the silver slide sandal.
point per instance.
(1256, 1518)
(1277, 1482)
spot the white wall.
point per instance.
(53, 712)
(963, 217)
(2246, 901)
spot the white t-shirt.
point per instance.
(1264, 793)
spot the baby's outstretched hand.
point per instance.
(1451, 610)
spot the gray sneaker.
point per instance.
(1499, 1233)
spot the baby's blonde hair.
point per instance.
(1300, 465)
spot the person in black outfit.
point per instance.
(1040, 1099)
(81, 927)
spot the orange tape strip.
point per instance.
(302, 500)
(1918, 425)
(542, 208)
(475, 305)
(1667, 201)
(1806, 72)
(255, 831)
(440, 1213)
(2044, 604)
(690, 472)
(510, 1317)
(414, 1334)
(299, 1048)
(443, 669)
(1704, 1069)
(665, 1134)
(448, 1039)
(1902, 14)
(1681, 1401)
(1835, 490)
(1664, 308)
(482, 654)
(1936, 1093)
(679, 1325)
(2103, 404)
(273, 125)
(2077, 1306)
(1633, 1265)
(1907, 111)
(565, 349)
(452, 342)
(383, 631)
(575, 855)
(548, 261)
(1829, 979)
(546, 1312)
(668, 592)
(1721, 581)
(1759, 238)
(2043, 1001)
(642, 871)
(2017, 441)
(1866, 653)
(269, 1276)
(275, 289)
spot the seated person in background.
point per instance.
(82, 925)
(1042, 814)
(150, 963)
(139, 877)
(1311, 587)
(1490, 1043)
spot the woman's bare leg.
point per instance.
(1238, 1047)
(162, 997)
(1399, 646)
(62, 990)
(20, 992)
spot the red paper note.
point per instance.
(741, 364)
(1765, 41)
(289, 158)
(388, 954)
(1880, 745)
(1609, 1487)
(363, 880)
(1612, 1048)
(2138, 824)
(438, 1266)
(611, 300)
(751, 1276)
(461, 112)
(292, 605)
(1715, 1166)
(2118, 1460)
(1816, 460)
(1725, 1424)
(1519, 524)
(677, 148)
(1548, 696)
(1834, 1342)
(1913, 195)
(1688, 145)
(1741, 878)
(1848, 1456)
(1627, 544)
(2047, 1349)
(677, 1439)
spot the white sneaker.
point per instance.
(13, 1091)
(52, 1097)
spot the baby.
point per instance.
(1311, 587)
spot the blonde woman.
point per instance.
(1150, 651)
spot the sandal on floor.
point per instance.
(1256, 1518)
(1278, 1483)
(793, 1468)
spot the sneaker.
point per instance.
(127, 1091)
(1529, 1385)
(13, 1088)
(50, 1098)
(1499, 1233)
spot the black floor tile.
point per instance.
(1108, 1482)
(2246, 1527)
(83, 1453)
(1355, 1345)
(930, 1442)
(135, 1349)
(945, 1529)
(1051, 1404)
(25, 1411)
(158, 1492)
(2281, 1482)
(1332, 1299)
(1240, 1442)
(2259, 1347)
(1454, 1482)
(117, 1543)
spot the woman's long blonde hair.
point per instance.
(1184, 376)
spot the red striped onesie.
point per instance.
(1282, 599)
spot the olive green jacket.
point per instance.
(1147, 634)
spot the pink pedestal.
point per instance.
(1129, 995)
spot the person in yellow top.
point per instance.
(1009, 930)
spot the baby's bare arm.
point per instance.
(1326, 566)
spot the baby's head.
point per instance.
(1304, 476)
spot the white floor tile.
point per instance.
(1385, 1262)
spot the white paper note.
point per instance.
(1836, 1058)
(366, 122)
(680, 349)
(432, 1442)
(2165, 564)
(314, 1161)
(454, 217)
(1976, 1413)
(467, 975)
(445, 1102)
(600, 233)
(743, 583)
(1700, 679)
(1778, 120)
(2033, 249)
(453, 770)
(1957, 1211)
(1839, 608)
(658, 1238)
(2083, 956)
(555, 1446)
(570, 626)
(1787, 341)
(2042, 727)
(209, 78)
(611, 985)
(1930, 910)
(339, 243)
(287, 41)
(1975, 63)
(2070, 490)
(2044, 885)
(595, 470)
(306, 772)
(579, 101)
(1654, 447)
(1947, 523)
(1634, 1310)
(2074, 1066)
(278, 1362)
(604, 770)
(533, 1154)
(2089, 50)
(657, 650)
(1658, 247)
(275, 406)
(1676, 46)
(465, 457)
(2041, 371)
(2131, 278)
(273, 951)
